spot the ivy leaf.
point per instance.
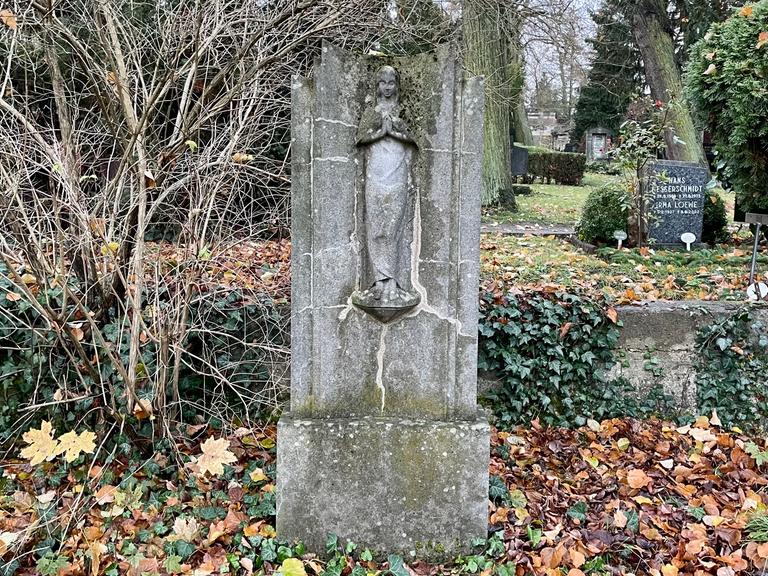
(534, 536)
(72, 444)
(215, 455)
(396, 566)
(49, 565)
(761, 457)
(42, 445)
(172, 564)
(578, 511)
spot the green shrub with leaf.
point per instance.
(604, 212)
(715, 228)
(726, 82)
(552, 353)
(607, 167)
(223, 370)
(731, 368)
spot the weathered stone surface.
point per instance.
(421, 364)
(394, 485)
(677, 200)
(384, 444)
(666, 332)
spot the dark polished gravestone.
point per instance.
(519, 161)
(677, 194)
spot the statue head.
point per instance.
(388, 84)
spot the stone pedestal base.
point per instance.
(418, 488)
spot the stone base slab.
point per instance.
(413, 487)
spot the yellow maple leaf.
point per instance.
(257, 475)
(241, 158)
(747, 11)
(215, 455)
(72, 444)
(762, 39)
(42, 445)
(292, 567)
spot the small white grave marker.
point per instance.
(688, 239)
(757, 291)
(620, 235)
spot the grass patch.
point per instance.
(550, 203)
(623, 276)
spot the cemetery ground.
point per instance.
(623, 496)
(617, 497)
(627, 276)
(555, 204)
(548, 204)
(624, 276)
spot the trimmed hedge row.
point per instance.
(565, 168)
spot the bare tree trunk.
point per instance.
(650, 29)
(520, 127)
(486, 56)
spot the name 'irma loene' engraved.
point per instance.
(389, 191)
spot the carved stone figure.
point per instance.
(389, 188)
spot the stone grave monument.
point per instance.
(677, 194)
(519, 160)
(384, 444)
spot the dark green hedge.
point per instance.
(566, 168)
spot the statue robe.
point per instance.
(388, 161)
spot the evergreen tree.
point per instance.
(615, 77)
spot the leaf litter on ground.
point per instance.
(619, 497)
(627, 276)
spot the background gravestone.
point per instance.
(519, 161)
(598, 144)
(677, 192)
(384, 444)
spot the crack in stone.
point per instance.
(343, 159)
(424, 305)
(380, 365)
(341, 122)
(349, 307)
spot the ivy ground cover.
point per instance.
(623, 276)
(617, 497)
